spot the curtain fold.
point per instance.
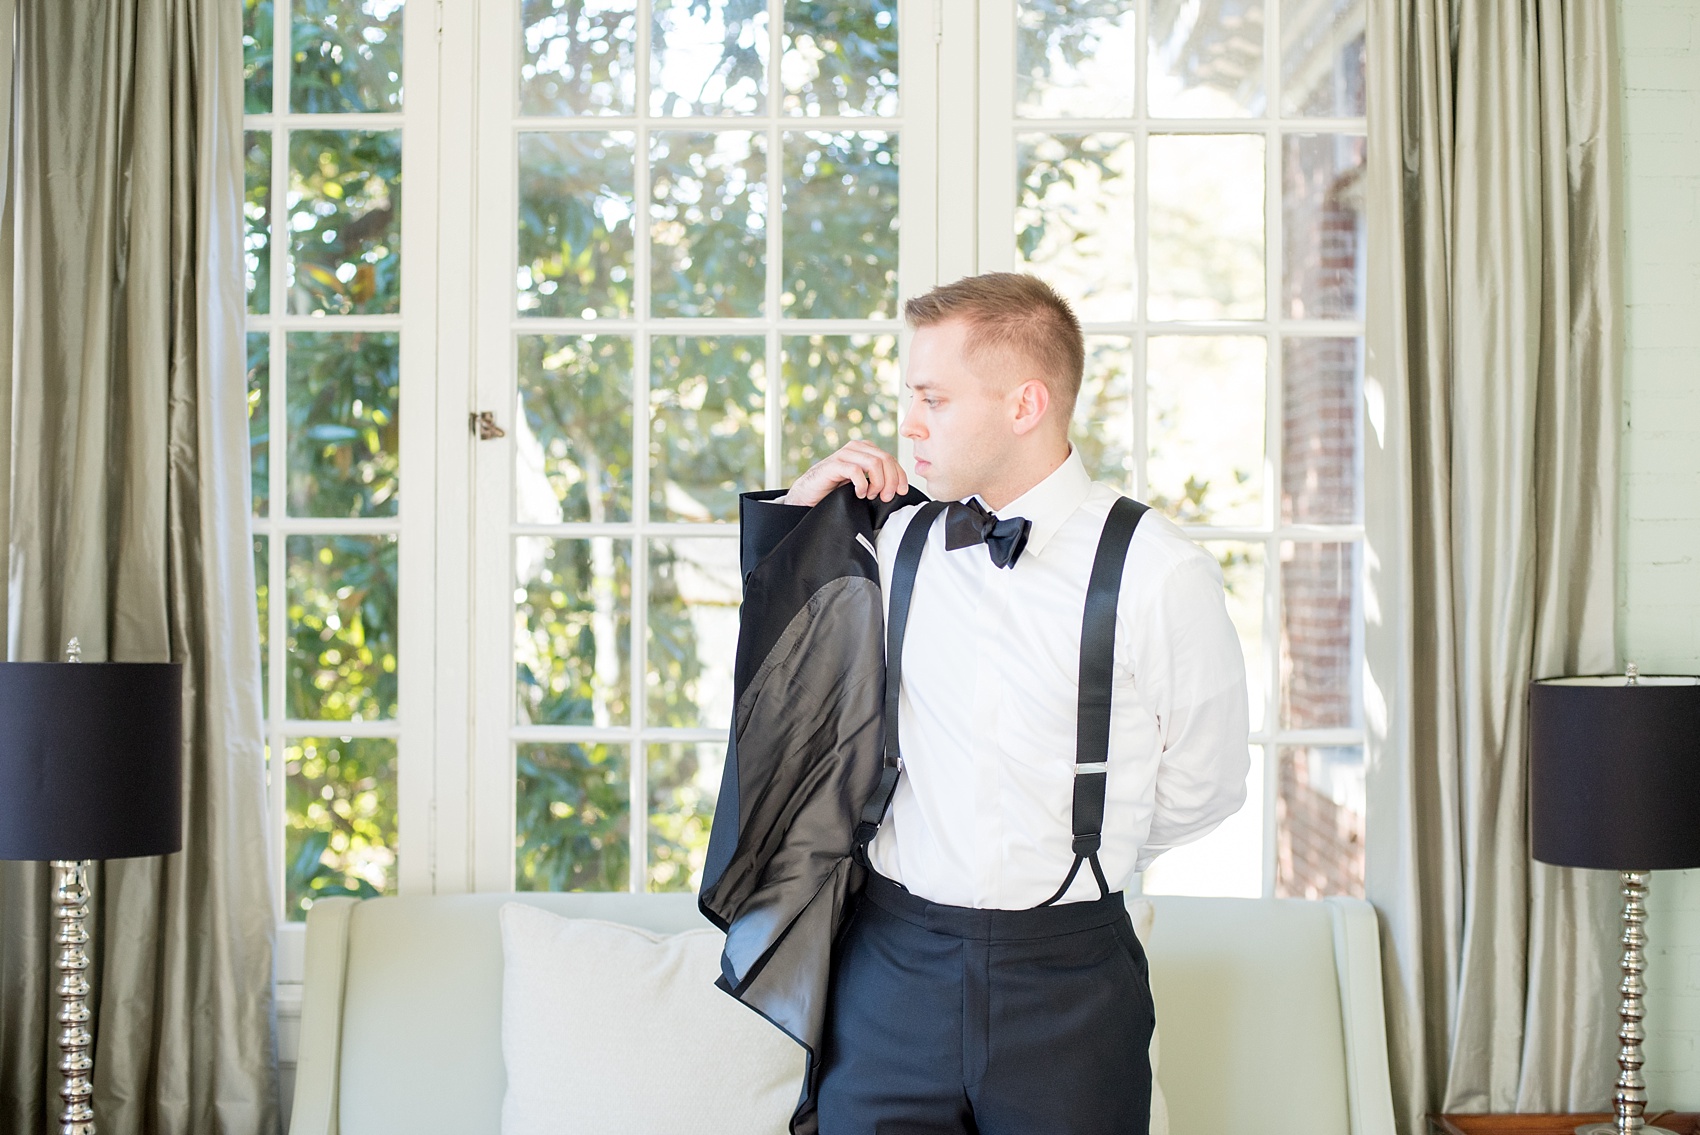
(1494, 333)
(128, 528)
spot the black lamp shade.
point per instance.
(1614, 772)
(91, 757)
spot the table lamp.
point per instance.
(1614, 784)
(91, 761)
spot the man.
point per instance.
(959, 1002)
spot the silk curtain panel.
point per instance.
(1494, 393)
(128, 528)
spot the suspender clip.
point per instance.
(1087, 844)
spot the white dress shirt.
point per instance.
(991, 666)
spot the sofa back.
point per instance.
(1269, 1012)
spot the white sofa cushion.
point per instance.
(592, 1010)
(612, 1030)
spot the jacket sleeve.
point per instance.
(762, 523)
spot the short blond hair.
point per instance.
(1014, 313)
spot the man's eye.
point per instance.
(931, 401)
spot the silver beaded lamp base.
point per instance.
(1630, 1103)
(76, 1061)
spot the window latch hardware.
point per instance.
(484, 425)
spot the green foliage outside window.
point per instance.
(343, 421)
(257, 55)
(340, 825)
(345, 222)
(346, 56)
(341, 628)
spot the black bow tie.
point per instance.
(968, 522)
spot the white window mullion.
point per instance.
(955, 88)
(637, 768)
(417, 412)
(997, 197)
(1271, 757)
(490, 778)
(453, 364)
(774, 284)
(1142, 285)
(277, 457)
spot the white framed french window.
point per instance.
(340, 115)
(1190, 176)
(706, 114)
(688, 277)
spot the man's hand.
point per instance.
(873, 471)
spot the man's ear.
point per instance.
(1032, 400)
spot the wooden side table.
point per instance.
(1681, 1122)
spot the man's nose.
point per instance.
(911, 428)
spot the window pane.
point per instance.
(1103, 413)
(1322, 57)
(1074, 61)
(1227, 863)
(840, 231)
(262, 601)
(1319, 684)
(708, 57)
(340, 820)
(1206, 60)
(1319, 822)
(1206, 217)
(347, 56)
(578, 57)
(257, 219)
(1242, 580)
(259, 420)
(573, 436)
(684, 781)
(694, 591)
(344, 222)
(1074, 218)
(706, 425)
(573, 822)
(840, 57)
(341, 627)
(1319, 430)
(572, 631)
(1322, 209)
(343, 436)
(1204, 417)
(708, 223)
(838, 388)
(575, 225)
(257, 28)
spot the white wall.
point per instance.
(1660, 547)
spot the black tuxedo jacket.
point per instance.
(804, 755)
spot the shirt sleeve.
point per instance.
(1187, 657)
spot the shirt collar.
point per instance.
(1050, 502)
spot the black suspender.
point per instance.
(1097, 668)
(1097, 676)
(896, 620)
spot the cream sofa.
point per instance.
(1269, 1012)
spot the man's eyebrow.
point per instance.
(918, 385)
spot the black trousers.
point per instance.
(945, 1020)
